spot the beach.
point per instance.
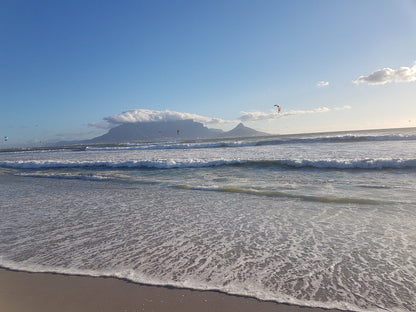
(208, 156)
(317, 220)
(24, 291)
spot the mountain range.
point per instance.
(167, 130)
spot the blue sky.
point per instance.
(70, 66)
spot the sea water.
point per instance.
(325, 220)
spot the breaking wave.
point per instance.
(257, 142)
(341, 139)
(224, 143)
(200, 163)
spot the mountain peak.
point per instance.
(168, 130)
(242, 131)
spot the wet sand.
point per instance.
(23, 291)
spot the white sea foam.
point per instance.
(192, 163)
(267, 249)
(327, 224)
(133, 276)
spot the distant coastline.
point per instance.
(84, 144)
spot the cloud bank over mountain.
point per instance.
(146, 115)
(388, 75)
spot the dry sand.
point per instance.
(48, 292)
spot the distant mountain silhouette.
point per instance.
(242, 131)
(166, 130)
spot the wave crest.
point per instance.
(199, 163)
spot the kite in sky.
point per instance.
(278, 108)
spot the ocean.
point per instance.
(323, 220)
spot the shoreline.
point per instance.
(22, 291)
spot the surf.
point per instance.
(368, 164)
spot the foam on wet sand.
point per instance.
(24, 291)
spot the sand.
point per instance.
(24, 291)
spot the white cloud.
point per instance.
(146, 115)
(322, 84)
(345, 107)
(386, 75)
(256, 116)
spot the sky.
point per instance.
(70, 70)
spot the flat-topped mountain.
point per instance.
(165, 130)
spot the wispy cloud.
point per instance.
(146, 115)
(101, 125)
(387, 75)
(345, 107)
(322, 83)
(256, 116)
